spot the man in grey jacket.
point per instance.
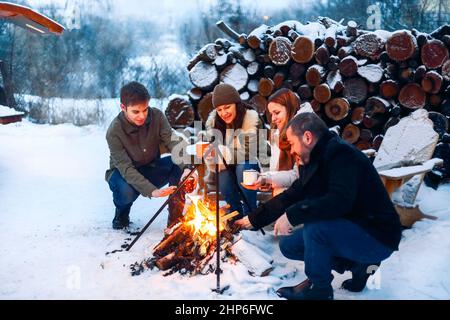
(136, 167)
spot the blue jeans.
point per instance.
(159, 173)
(229, 188)
(332, 244)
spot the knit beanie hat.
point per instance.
(225, 94)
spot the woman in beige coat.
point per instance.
(236, 127)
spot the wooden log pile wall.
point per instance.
(360, 82)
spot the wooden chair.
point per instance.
(402, 161)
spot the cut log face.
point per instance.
(355, 90)
(376, 105)
(266, 87)
(278, 79)
(252, 86)
(351, 133)
(389, 89)
(253, 68)
(322, 55)
(371, 72)
(204, 75)
(208, 54)
(280, 51)
(401, 46)
(412, 96)
(432, 82)
(369, 45)
(358, 115)
(180, 113)
(303, 49)
(254, 38)
(322, 93)
(195, 94)
(315, 74)
(348, 66)
(434, 54)
(345, 52)
(337, 109)
(235, 75)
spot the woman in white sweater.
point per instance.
(283, 105)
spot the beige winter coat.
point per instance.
(239, 144)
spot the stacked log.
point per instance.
(369, 79)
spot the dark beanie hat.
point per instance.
(225, 94)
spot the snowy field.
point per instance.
(56, 211)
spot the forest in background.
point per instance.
(95, 58)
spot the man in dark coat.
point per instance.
(136, 167)
(349, 221)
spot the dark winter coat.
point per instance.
(339, 182)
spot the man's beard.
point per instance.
(302, 159)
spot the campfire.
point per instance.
(190, 244)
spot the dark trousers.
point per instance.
(159, 173)
(229, 182)
(332, 244)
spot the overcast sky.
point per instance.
(156, 8)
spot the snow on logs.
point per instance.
(369, 79)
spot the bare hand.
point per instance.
(283, 227)
(244, 223)
(164, 192)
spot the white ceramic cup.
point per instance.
(250, 177)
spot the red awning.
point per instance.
(29, 19)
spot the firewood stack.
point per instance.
(361, 81)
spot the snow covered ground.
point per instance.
(56, 211)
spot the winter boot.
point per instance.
(360, 273)
(121, 219)
(306, 291)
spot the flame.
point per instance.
(201, 218)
